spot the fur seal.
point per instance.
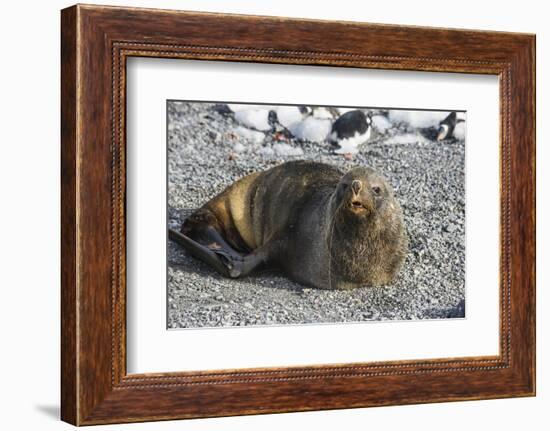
(321, 227)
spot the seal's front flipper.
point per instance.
(207, 255)
(256, 259)
(247, 264)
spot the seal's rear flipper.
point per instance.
(204, 253)
(219, 254)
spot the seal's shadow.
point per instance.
(186, 264)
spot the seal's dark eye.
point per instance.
(376, 190)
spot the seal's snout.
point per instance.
(362, 190)
(356, 186)
(359, 199)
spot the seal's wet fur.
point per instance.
(321, 227)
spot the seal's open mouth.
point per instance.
(356, 205)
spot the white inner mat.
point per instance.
(153, 348)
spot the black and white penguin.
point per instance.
(349, 131)
(447, 126)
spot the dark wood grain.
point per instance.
(69, 367)
(96, 41)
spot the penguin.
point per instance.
(447, 126)
(350, 130)
(284, 119)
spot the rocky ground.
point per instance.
(208, 149)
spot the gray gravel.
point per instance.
(428, 179)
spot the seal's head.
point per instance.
(363, 193)
(367, 240)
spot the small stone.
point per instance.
(450, 228)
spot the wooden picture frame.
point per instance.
(95, 43)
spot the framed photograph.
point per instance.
(284, 220)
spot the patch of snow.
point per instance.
(236, 107)
(287, 150)
(288, 115)
(311, 129)
(239, 148)
(250, 135)
(266, 151)
(381, 123)
(322, 113)
(344, 110)
(417, 118)
(460, 131)
(256, 119)
(407, 138)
